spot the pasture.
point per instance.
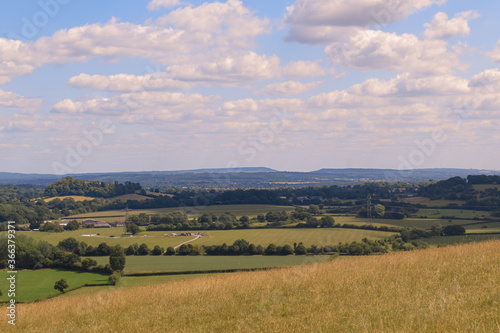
(74, 197)
(201, 263)
(262, 237)
(36, 284)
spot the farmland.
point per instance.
(215, 237)
(199, 263)
(36, 284)
(434, 290)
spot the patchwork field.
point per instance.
(451, 289)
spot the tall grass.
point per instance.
(451, 289)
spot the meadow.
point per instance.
(198, 263)
(214, 237)
(450, 289)
(36, 284)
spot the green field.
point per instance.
(192, 212)
(35, 284)
(74, 197)
(482, 187)
(197, 263)
(459, 239)
(214, 237)
(459, 213)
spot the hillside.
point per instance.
(451, 289)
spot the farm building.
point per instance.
(92, 223)
(117, 224)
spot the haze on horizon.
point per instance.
(290, 85)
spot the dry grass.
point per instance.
(452, 289)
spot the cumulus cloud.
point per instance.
(158, 4)
(321, 19)
(302, 69)
(443, 28)
(495, 54)
(377, 50)
(128, 82)
(177, 37)
(13, 100)
(289, 88)
(228, 69)
(486, 78)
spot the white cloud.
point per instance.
(227, 69)
(10, 99)
(158, 4)
(289, 88)
(320, 19)
(488, 77)
(128, 82)
(406, 85)
(495, 54)
(443, 28)
(377, 50)
(302, 69)
(176, 38)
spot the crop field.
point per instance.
(450, 289)
(75, 197)
(460, 239)
(214, 237)
(192, 212)
(194, 263)
(432, 203)
(459, 213)
(35, 284)
(482, 187)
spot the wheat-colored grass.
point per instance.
(451, 289)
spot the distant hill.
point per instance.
(257, 177)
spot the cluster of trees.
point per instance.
(31, 254)
(70, 186)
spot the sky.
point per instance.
(108, 86)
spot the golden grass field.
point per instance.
(450, 289)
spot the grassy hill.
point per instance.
(451, 289)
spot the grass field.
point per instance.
(192, 212)
(178, 263)
(215, 237)
(482, 187)
(432, 203)
(451, 289)
(459, 213)
(460, 239)
(75, 197)
(33, 285)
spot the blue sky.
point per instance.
(88, 86)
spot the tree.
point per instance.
(157, 250)
(143, 250)
(69, 244)
(130, 251)
(61, 285)
(103, 249)
(300, 249)
(114, 278)
(327, 222)
(72, 225)
(436, 229)
(117, 258)
(88, 262)
(379, 209)
(286, 250)
(270, 250)
(133, 228)
(170, 251)
(314, 209)
(454, 230)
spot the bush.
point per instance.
(454, 230)
(170, 251)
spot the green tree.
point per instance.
(379, 210)
(114, 278)
(170, 251)
(454, 230)
(130, 251)
(270, 250)
(117, 258)
(61, 285)
(157, 250)
(286, 250)
(314, 209)
(143, 250)
(133, 228)
(69, 244)
(72, 225)
(88, 263)
(327, 222)
(300, 249)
